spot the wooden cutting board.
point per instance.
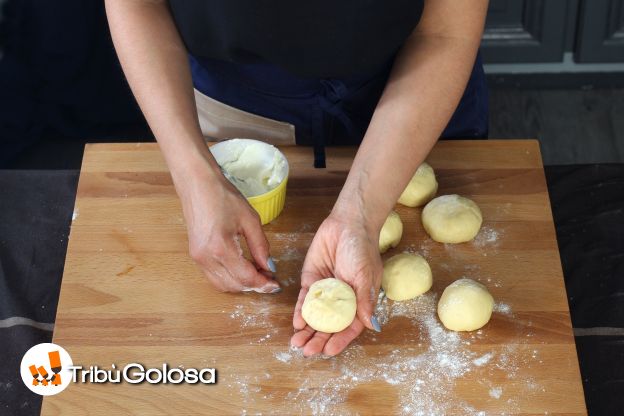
(130, 293)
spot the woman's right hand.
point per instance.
(217, 215)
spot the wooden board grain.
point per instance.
(130, 293)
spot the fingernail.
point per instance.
(375, 323)
(276, 290)
(271, 264)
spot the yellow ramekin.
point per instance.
(270, 204)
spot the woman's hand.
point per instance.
(216, 216)
(346, 250)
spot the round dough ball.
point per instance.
(391, 232)
(465, 305)
(406, 276)
(329, 305)
(421, 188)
(452, 219)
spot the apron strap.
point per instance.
(319, 156)
(330, 98)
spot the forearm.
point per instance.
(155, 63)
(424, 88)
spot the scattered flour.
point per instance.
(423, 375)
(487, 236)
(290, 253)
(285, 282)
(484, 359)
(496, 392)
(423, 372)
(306, 227)
(503, 308)
(411, 249)
(254, 314)
(493, 282)
(425, 247)
(282, 356)
(287, 237)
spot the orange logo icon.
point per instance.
(55, 366)
(45, 369)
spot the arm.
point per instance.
(424, 88)
(155, 63)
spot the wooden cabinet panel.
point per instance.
(525, 31)
(601, 31)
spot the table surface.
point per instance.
(130, 293)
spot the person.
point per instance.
(394, 75)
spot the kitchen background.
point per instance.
(556, 73)
(555, 70)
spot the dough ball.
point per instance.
(452, 219)
(421, 188)
(391, 232)
(465, 305)
(329, 305)
(406, 276)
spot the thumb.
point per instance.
(366, 298)
(258, 244)
(260, 282)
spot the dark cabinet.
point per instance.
(542, 31)
(600, 31)
(525, 31)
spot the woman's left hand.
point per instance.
(347, 250)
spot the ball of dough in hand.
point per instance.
(465, 305)
(452, 219)
(406, 276)
(329, 305)
(391, 232)
(421, 188)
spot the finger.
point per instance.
(301, 337)
(298, 321)
(258, 244)
(221, 278)
(316, 344)
(339, 341)
(366, 295)
(249, 277)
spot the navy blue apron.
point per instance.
(326, 111)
